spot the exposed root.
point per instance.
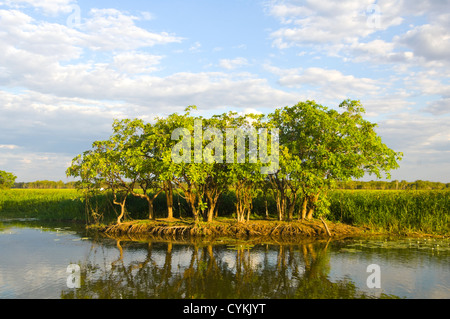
(249, 230)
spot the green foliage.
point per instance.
(7, 180)
(321, 146)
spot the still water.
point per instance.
(63, 261)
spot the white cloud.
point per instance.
(60, 87)
(342, 27)
(110, 29)
(195, 47)
(320, 22)
(325, 84)
(429, 82)
(439, 107)
(35, 42)
(37, 121)
(45, 56)
(31, 166)
(52, 7)
(376, 106)
(425, 142)
(432, 42)
(230, 64)
(377, 52)
(8, 147)
(134, 62)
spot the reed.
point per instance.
(45, 204)
(393, 211)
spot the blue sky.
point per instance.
(68, 68)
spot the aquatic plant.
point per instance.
(393, 211)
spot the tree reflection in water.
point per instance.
(167, 270)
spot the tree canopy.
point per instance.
(298, 153)
(7, 180)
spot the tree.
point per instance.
(7, 180)
(166, 131)
(105, 167)
(320, 146)
(138, 146)
(246, 171)
(313, 148)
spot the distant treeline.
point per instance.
(395, 185)
(45, 185)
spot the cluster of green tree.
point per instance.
(394, 185)
(312, 147)
(45, 184)
(7, 180)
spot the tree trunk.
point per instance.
(240, 201)
(149, 200)
(326, 227)
(291, 211)
(190, 198)
(169, 199)
(313, 201)
(304, 207)
(122, 213)
(195, 214)
(151, 214)
(279, 186)
(209, 213)
(281, 206)
(212, 198)
(122, 207)
(267, 210)
(216, 210)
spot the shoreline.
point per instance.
(253, 230)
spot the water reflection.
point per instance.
(172, 270)
(34, 259)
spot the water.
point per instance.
(36, 259)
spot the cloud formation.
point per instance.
(67, 70)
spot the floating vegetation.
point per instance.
(427, 244)
(350, 250)
(240, 246)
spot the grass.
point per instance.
(45, 204)
(422, 211)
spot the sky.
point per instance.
(68, 68)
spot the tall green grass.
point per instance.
(70, 204)
(393, 211)
(46, 204)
